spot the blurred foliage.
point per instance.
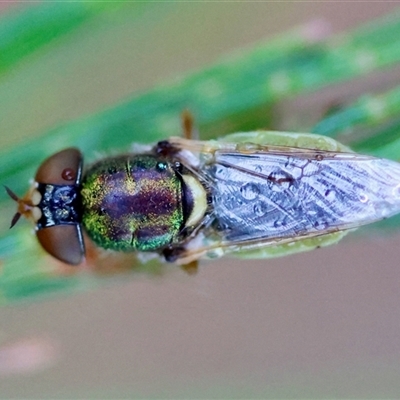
(239, 93)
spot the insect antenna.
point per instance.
(17, 215)
(11, 193)
(15, 219)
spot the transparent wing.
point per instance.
(267, 195)
(273, 197)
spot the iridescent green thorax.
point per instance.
(132, 202)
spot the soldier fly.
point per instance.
(255, 194)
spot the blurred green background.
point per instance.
(317, 325)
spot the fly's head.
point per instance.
(53, 204)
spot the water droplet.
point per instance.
(381, 209)
(233, 201)
(396, 191)
(330, 194)
(220, 225)
(363, 198)
(260, 209)
(320, 225)
(249, 191)
(218, 171)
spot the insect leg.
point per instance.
(188, 130)
(190, 268)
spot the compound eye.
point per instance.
(62, 168)
(64, 242)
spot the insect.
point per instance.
(254, 194)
